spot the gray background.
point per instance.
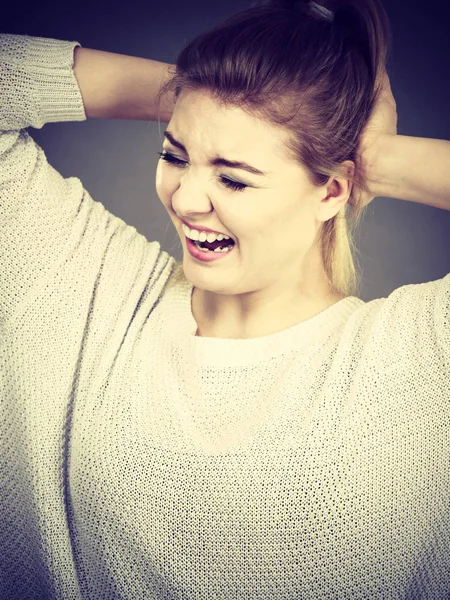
(400, 242)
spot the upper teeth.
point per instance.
(202, 236)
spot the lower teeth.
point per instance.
(227, 249)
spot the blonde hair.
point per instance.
(317, 79)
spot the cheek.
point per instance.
(166, 184)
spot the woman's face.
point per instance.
(273, 219)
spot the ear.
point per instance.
(335, 193)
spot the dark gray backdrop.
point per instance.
(400, 242)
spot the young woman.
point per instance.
(240, 424)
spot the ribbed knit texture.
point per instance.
(138, 461)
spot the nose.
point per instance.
(190, 198)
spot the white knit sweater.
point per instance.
(138, 461)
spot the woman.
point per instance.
(241, 424)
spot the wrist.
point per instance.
(410, 168)
(380, 161)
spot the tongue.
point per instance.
(216, 244)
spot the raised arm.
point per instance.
(400, 166)
(413, 169)
(46, 219)
(117, 86)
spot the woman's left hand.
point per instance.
(382, 122)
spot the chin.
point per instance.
(206, 281)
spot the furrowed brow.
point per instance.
(218, 161)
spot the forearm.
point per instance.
(117, 86)
(413, 169)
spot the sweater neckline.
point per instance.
(220, 352)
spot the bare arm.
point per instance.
(117, 86)
(412, 168)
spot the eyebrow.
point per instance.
(218, 161)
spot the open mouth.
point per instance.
(216, 246)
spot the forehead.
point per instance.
(203, 123)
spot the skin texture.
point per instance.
(381, 126)
(274, 278)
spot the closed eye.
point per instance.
(176, 162)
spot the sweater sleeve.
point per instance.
(415, 323)
(433, 306)
(44, 217)
(37, 83)
(442, 317)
